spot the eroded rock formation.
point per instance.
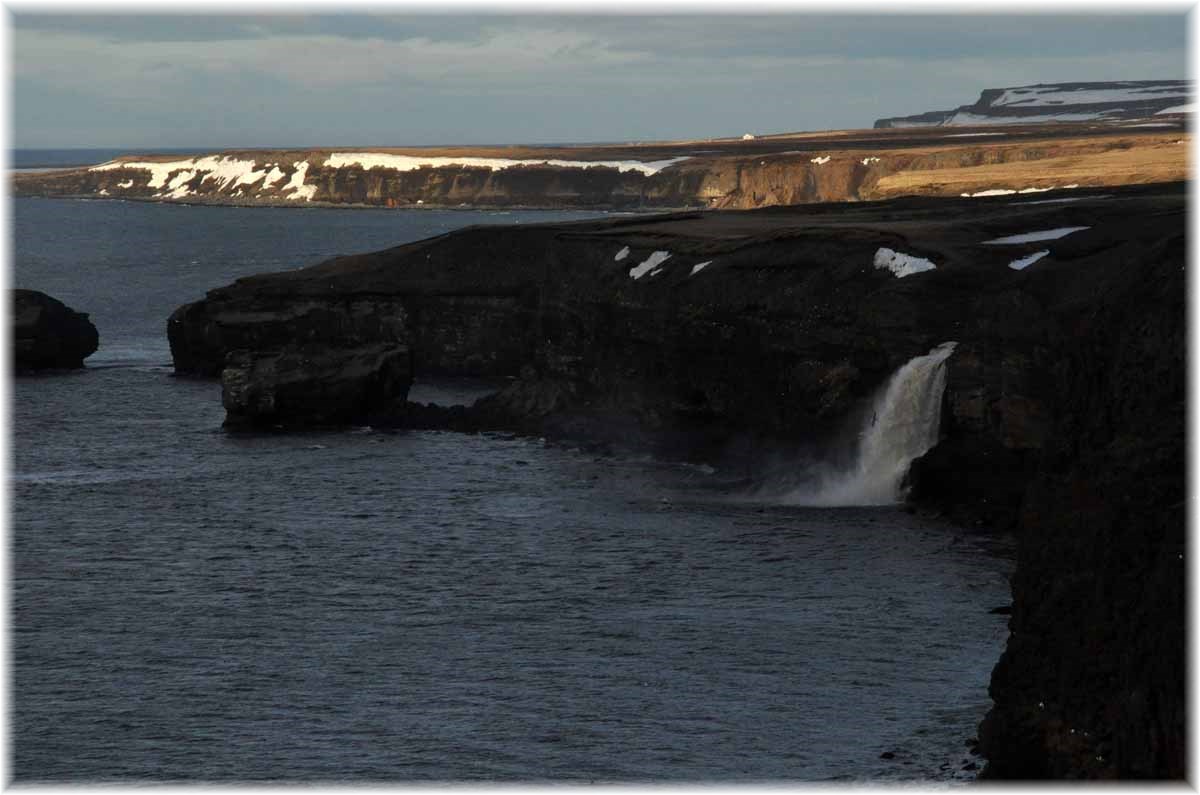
(307, 385)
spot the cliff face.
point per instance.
(715, 333)
(1092, 682)
(832, 167)
(798, 310)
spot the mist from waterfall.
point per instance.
(902, 426)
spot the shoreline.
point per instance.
(322, 205)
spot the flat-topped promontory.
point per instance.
(732, 173)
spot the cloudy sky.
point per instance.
(390, 78)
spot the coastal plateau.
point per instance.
(735, 337)
(764, 171)
(1149, 100)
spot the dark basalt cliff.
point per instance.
(1092, 683)
(1062, 417)
(48, 335)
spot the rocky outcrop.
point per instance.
(763, 172)
(48, 335)
(728, 335)
(327, 359)
(316, 385)
(1059, 102)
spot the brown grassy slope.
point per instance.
(1132, 161)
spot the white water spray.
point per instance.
(902, 426)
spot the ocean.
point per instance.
(191, 605)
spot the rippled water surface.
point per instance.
(355, 606)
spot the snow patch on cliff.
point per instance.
(1010, 191)
(901, 264)
(965, 118)
(296, 183)
(369, 160)
(1034, 237)
(1049, 96)
(622, 254)
(651, 262)
(820, 161)
(866, 161)
(901, 123)
(178, 184)
(273, 176)
(1024, 262)
(158, 171)
(699, 267)
(225, 172)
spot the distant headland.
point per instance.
(1026, 139)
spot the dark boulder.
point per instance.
(48, 335)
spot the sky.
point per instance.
(393, 78)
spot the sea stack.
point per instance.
(48, 334)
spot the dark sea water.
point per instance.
(191, 605)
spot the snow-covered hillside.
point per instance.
(1060, 102)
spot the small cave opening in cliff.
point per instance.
(453, 390)
(901, 424)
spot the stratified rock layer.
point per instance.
(48, 335)
(717, 334)
(835, 166)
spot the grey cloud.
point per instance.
(418, 79)
(713, 36)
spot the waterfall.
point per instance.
(902, 425)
